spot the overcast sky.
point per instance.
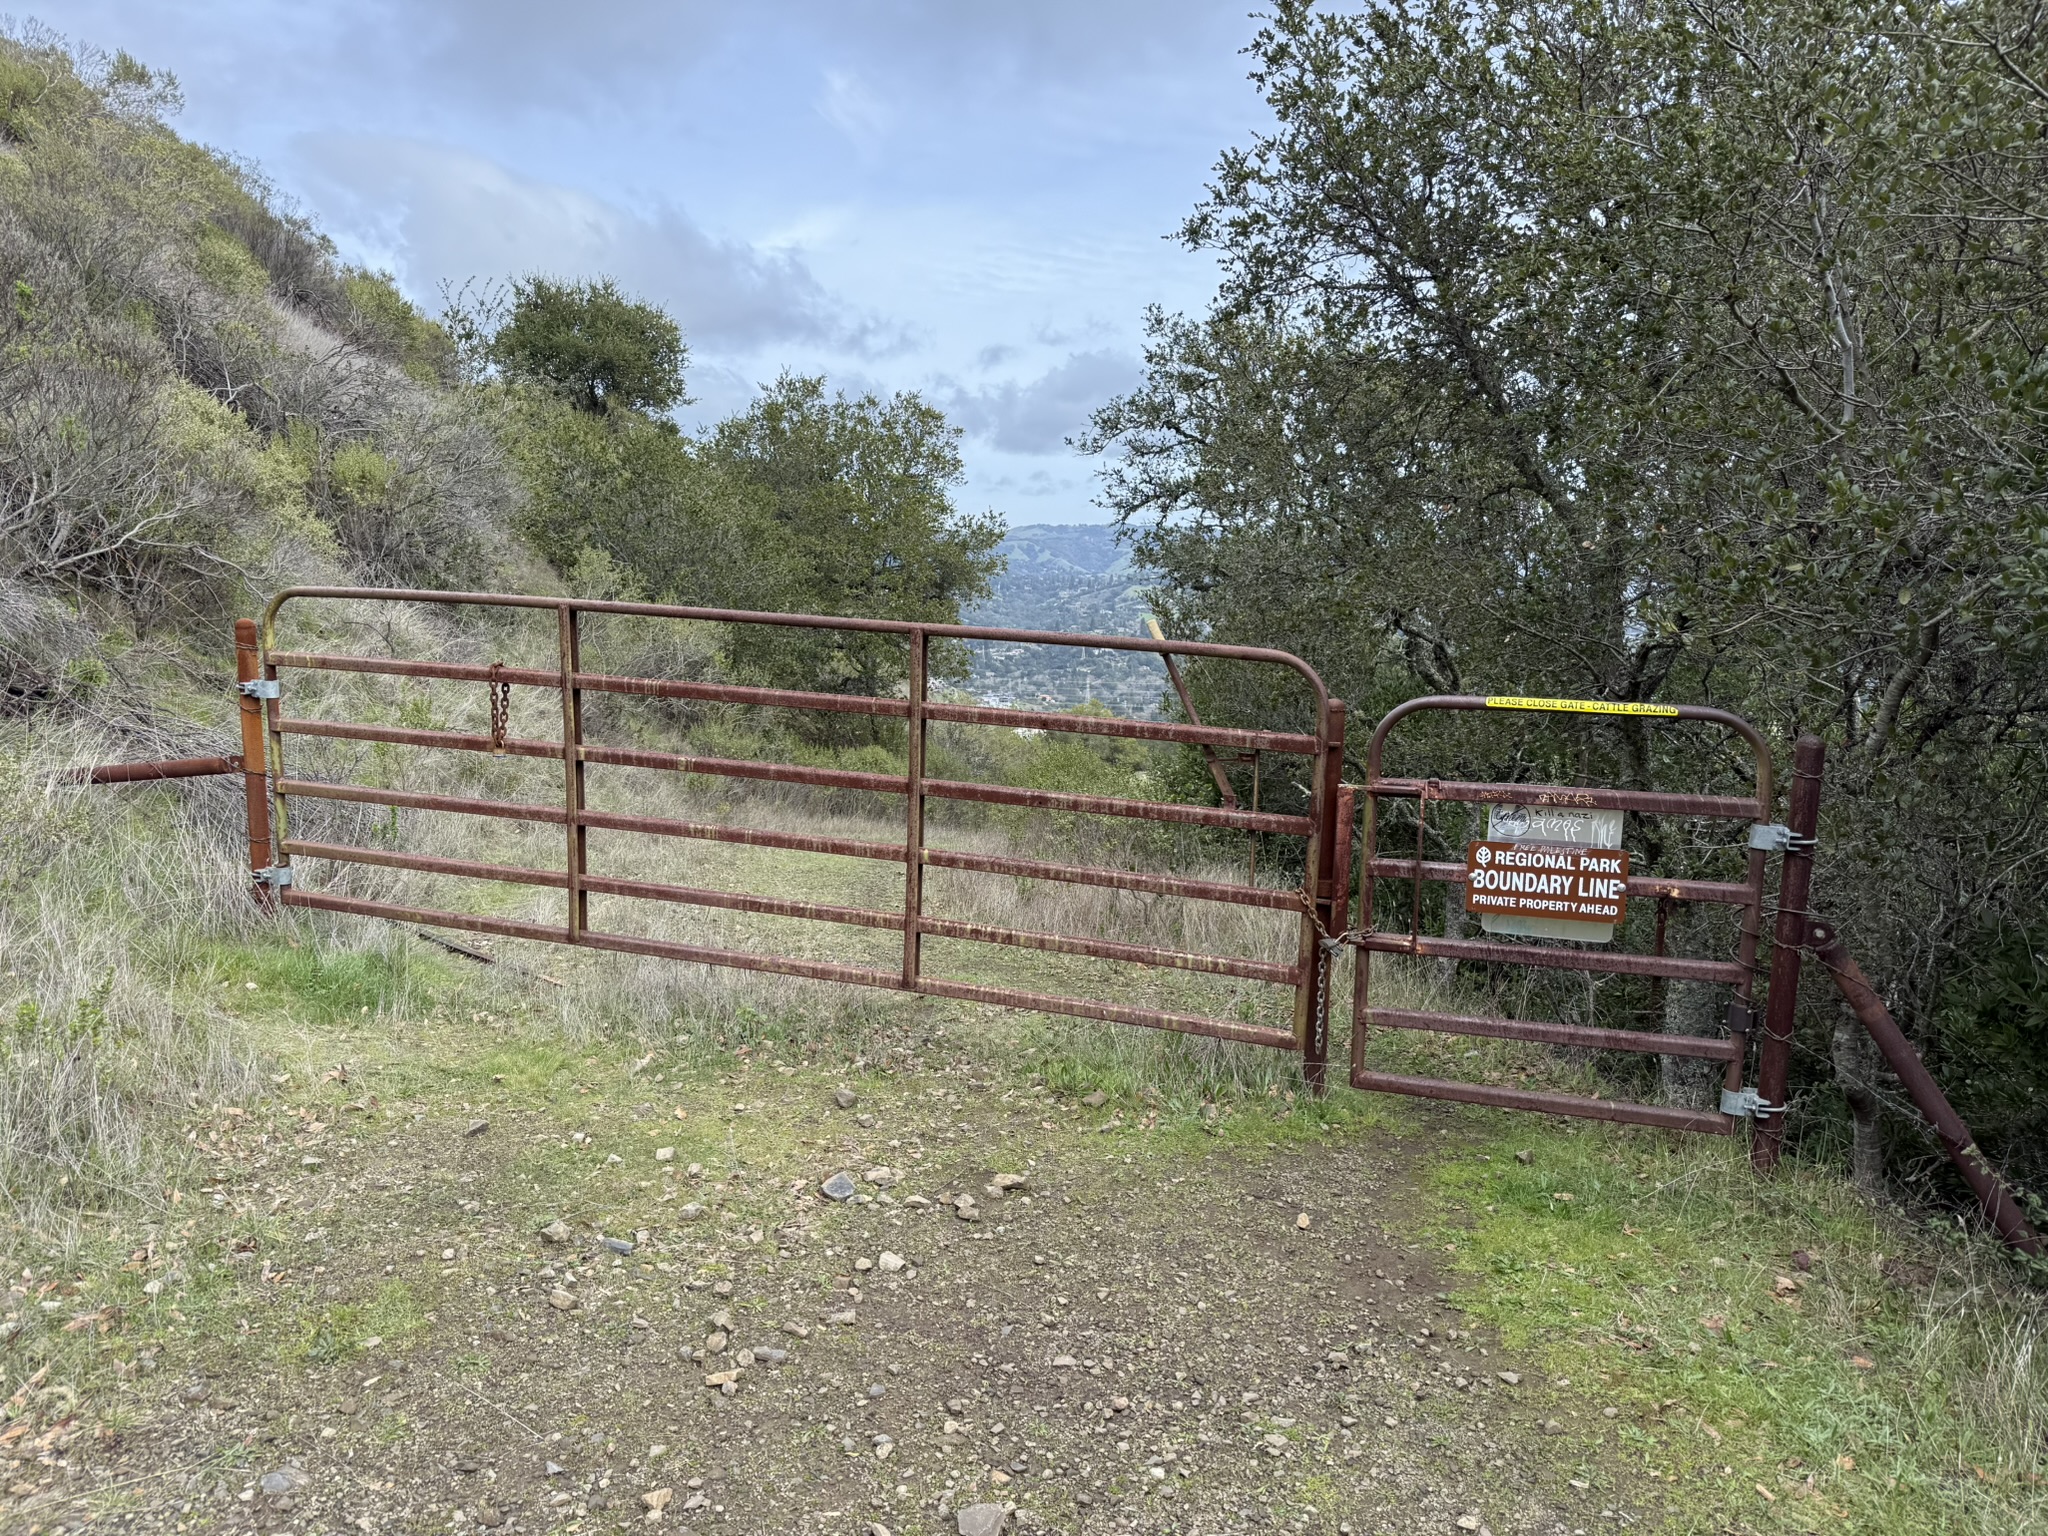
(961, 197)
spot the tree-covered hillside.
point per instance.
(1078, 578)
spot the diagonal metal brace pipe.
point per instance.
(2001, 1204)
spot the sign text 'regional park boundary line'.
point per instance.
(1546, 880)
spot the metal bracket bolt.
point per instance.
(259, 688)
(1743, 1103)
(276, 876)
(1776, 837)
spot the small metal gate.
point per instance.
(1317, 902)
(1737, 973)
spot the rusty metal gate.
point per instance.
(1736, 972)
(1317, 902)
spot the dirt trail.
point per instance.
(1153, 1331)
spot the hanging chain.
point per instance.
(501, 707)
(1330, 946)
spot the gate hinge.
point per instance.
(1776, 837)
(276, 875)
(1745, 1102)
(259, 688)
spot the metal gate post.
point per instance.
(577, 861)
(1324, 916)
(1788, 941)
(255, 781)
(913, 831)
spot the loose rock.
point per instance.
(839, 1187)
(983, 1520)
(845, 1098)
(555, 1232)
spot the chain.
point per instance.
(1330, 946)
(501, 707)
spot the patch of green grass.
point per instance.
(393, 1317)
(1892, 1386)
(314, 983)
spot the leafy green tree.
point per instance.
(1648, 350)
(855, 498)
(636, 491)
(597, 348)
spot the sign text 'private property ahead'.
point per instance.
(1546, 880)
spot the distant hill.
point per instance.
(1077, 579)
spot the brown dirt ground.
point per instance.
(1144, 1337)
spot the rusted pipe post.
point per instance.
(151, 773)
(913, 820)
(1325, 881)
(255, 782)
(2001, 1205)
(1781, 1002)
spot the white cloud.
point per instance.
(1040, 415)
(436, 213)
(857, 112)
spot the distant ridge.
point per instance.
(1078, 579)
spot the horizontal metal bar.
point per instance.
(743, 768)
(389, 858)
(753, 837)
(147, 773)
(1727, 972)
(1104, 805)
(1670, 1119)
(1719, 892)
(742, 959)
(737, 693)
(593, 682)
(903, 627)
(784, 965)
(395, 666)
(1643, 1041)
(1648, 802)
(1112, 1013)
(469, 922)
(1109, 725)
(645, 890)
(827, 778)
(405, 799)
(408, 736)
(741, 901)
(817, 970)
(1116, 879)
(624, 757)
(1104, 949)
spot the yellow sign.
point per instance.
(1584, 706)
